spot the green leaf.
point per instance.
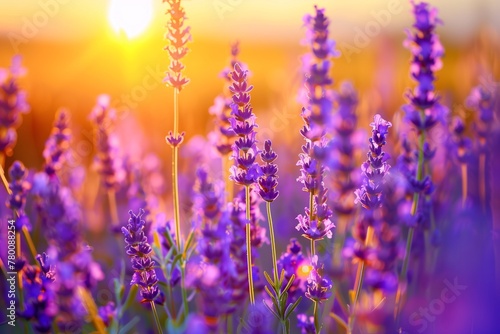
(130, 325)
(132, 293)
(268, 278)
(282, 276)
(289, 284)
(272, 311)
(292, 307)
(269, 292)
(119, 290)
(177, 258)
(189, 241)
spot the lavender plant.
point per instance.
(424, 109)
(317, 98)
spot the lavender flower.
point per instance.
(343, 145)
(316, 115)
(424, 109)
(57, 145)
(306, 324)
(245, 170)
(12, 105)
(223, 136)
(20, 188)
(139, 250)
(269, 181)
(318, 287)
(107, 161)
(290, 261)
(108, 313)
(461, 145)
(375, 168)
(316, 224)
(177, 35)
(39, 300)
(482, 99)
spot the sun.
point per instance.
(131, 17)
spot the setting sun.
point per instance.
(131, 17)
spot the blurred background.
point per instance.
(75, 50)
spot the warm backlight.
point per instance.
(131, 17)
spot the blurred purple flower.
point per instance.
(107, 161)
(291, 261)
(12, 105)
(56, 147)
(318, 287)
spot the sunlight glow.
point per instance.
(131, 17)
(304, 270)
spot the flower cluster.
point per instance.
(343, 144)
(57, 145)
(318, 286)
(269, 181)
(139, 250)
(424, 109)
(39, 300)
(375, 168)
(291, 262)
(483, 100)
(245, 170)
(316, 115)
(20, 188)
(12, 105)
(178, 36)
(107, 161)
(223, 136)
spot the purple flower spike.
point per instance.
(178, 35)
(19, 187)
(245, 170)
(269, 181)
(375, 168)
(138, 248)
(107, 162)
(57, 145)
(424, 109)
(318, 288)
(12, 105)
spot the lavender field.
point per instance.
(286, 181)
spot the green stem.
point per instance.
(249, 246)
(358, 283)
(273, 242)
(416, 197)
(157, 319)
(316, 317)
(175, 177)
(184, 290)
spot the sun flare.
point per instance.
(131, 17)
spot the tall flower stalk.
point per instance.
(370, 195)
(423, 109)
(316, 113)
(245, 170)
(178, 35)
